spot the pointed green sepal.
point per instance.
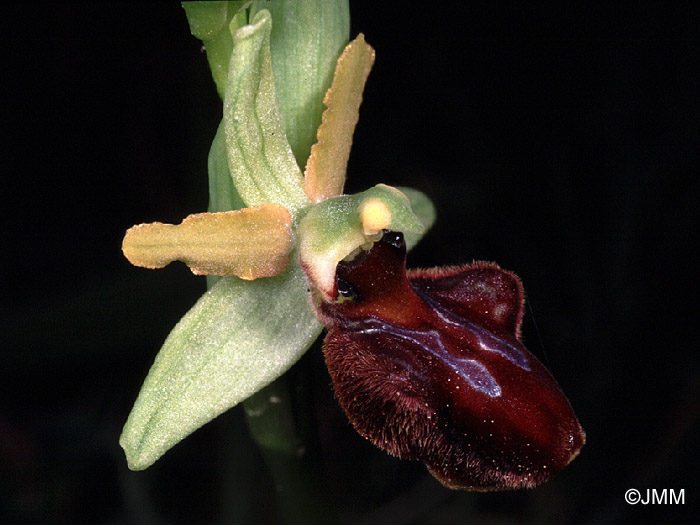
(238, 338)
(424, 209)
(261, 161)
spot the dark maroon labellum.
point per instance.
(429, 365)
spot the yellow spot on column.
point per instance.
(375, 216)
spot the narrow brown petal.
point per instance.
(248, 243)
(325, 170)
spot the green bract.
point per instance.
(211, 23)
(241, 335)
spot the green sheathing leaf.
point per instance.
(207, 19)
(307, 38)
(423, 207)
(259, 156)
(238, 338)
(210, 21)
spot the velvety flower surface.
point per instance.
(429, 365)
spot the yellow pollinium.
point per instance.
(375, 216)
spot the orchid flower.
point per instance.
(427, 365)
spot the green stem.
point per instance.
(307, 38)
(272, 426)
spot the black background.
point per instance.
(562, 144)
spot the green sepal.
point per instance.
(261, 161)
(239, 337)
(424, 209)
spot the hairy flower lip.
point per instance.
(431, 367)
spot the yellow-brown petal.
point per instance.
(325, 170)
(248, 243)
